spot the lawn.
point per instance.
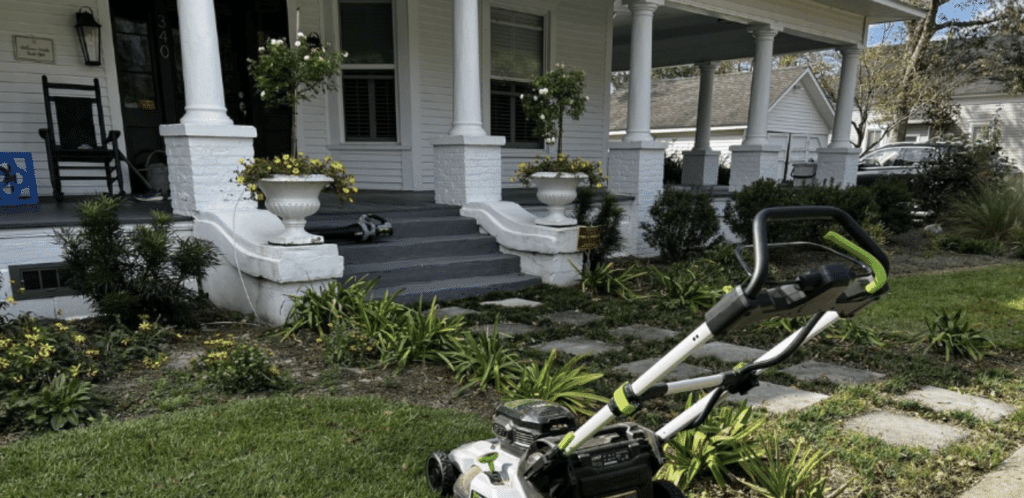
(316, 444)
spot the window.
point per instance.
(368, 76)
(517, 56)
(981, 132)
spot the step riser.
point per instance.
(449, 294)
(403, 250)
(405, 275)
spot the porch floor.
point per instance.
(50, 213)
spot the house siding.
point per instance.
(22, 112)
(1010, 111)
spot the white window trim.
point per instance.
(401, 67)
(534, 8)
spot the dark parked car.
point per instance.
(899, 159)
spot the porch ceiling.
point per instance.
(685, 34)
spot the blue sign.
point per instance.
(17, 181)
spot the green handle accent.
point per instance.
(866, 257)
(564, 443)
(623, 404)
(489, 460)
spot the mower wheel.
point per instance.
(441, 473)
(665, 489)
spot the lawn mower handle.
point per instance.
(792, 213)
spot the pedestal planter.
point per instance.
(557, 191)
(293, 198)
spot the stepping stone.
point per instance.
(1006, 480)
(778, 399)
(182, 360)
(453, 311)
(729, 353)
(906, 431)
(509, 329)
(573, 318)
(943, 400)
(577, 346)
(644, 332)
(514, 302)
(680, 372)
(815, 370)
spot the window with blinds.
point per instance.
(517, 56)
(368, 76)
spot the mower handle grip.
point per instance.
(797, 213)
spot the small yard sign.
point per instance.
(589, 239)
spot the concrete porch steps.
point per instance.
(433, 252)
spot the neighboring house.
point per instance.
(800, 116)
(427, 102)
(982, 103)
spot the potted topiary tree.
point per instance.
(285, 75)
(555, 96)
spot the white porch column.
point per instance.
(638, 121)
(700, 165)
(755, 159)
(203, 150)
(467, 162)
(838, 162)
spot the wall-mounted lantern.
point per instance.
(88, 36)
(314, 40)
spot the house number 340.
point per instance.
(165, 49)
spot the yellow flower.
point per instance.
(295, 171)
(240, 180)
(79, 339)
(92, 352)
(598, 185)
(11, 300)
(354, 190)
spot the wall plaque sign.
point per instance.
(589, 238)
(31, 48)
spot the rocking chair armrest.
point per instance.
(112, 137)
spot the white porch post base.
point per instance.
(201, 161)
(751, 163)
(467, 169)
(838, 165)
(700, 167)
(637, 169)
(255, 277)
(545, 252)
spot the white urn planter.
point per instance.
(292, 198)
(557, 191)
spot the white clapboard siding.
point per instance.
(1009, 110)
(21, 91)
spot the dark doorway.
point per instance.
(147, 53)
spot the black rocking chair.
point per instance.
(72, 138)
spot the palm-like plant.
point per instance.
(562, 385)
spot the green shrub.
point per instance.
(800, 475)
(965, 244)
(937, 186)
(894, 202)
(64, 401)
(319, 309)
(955, 336)
(608, 218)
(993, 212)
(348, 346)
(127, 274)
(763, 193)
(420, 335)
(684, 223)
(562, 385)
(237, 367)
(479, 359)
(723, 441)
(609, 280)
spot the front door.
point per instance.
(146, 43)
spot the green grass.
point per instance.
(276, 446)
(993, 298)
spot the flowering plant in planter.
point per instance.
(254, 170)
(286, 74)
(556, 95)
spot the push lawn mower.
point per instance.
(539, 452)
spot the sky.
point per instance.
(958, 10)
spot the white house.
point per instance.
(800, 116)
(427, 103)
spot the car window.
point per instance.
(914, 155)
(884, 157)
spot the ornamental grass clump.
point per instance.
(554, 96)
(254, 170)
